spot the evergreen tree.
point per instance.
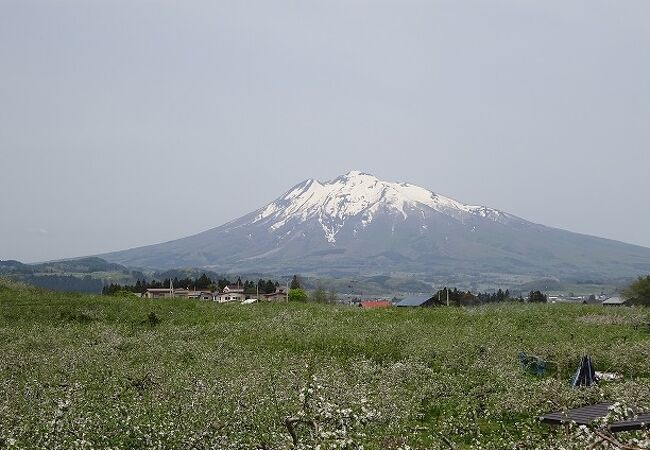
(203, 282)
(295, 284)
(536, 297)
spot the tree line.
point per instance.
(201, 283)
(467, 298)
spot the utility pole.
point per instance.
(287, 291)
(446, 289)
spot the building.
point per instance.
(177, 293)
(374, 304)
(200, 295)
(158, 293)
(226, 297)
(614, 301)
(280, 294)
(233, 288)
(419, 301)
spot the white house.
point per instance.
(226, 297)
(233, 288)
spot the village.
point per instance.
(444, 297)
(230, 293)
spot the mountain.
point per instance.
(358, 224)
(73, 275)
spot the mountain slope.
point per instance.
(360, 224)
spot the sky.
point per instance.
(132, 122)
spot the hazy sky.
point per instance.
(131, 122)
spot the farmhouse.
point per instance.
(614, 301)
(418, 301)
(233, 289)
(279, 294)
(158, 293)
(226, 297)
(201, 295)
(374, 304)
(177, 293)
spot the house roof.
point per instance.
(417, 300)
(371, 304)
(614, 301)
(276, 294)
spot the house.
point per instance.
(614, 301)
(233, 288)
(177, 293)
(158, 293)
(200, 295)
(181, 293)
(279, 294)
(418, 301)
(374, 304)
(226, 297)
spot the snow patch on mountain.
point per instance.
(359, 195)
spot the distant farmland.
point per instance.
(81, 371)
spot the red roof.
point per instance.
(371, 304)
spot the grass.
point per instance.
(81, 371)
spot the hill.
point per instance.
(83, 371)
(360, 225)
(71, 275)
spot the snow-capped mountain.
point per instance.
(358, 224)
(359, 196)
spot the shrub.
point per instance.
(297, 295)
(152, 319)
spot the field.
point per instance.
(82, 372)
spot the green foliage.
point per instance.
(269, 287)
(80, 371)
(295, 284)
(124, 293)
(297, 295)
(639, 291)
(319, 295)
(537, 297)
(153, 319)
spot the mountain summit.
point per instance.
(359, 197)
(358, 224)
